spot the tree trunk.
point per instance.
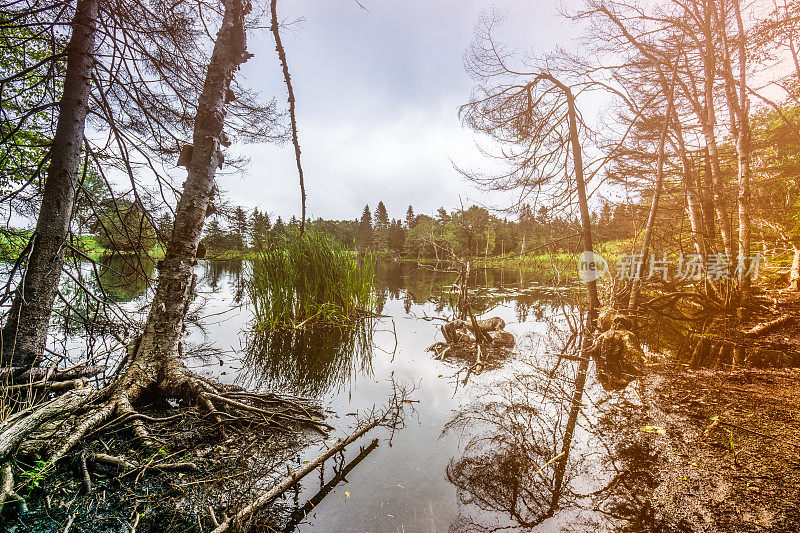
(176, 278)
(794, 274)
(633, 301)
(708, 123)
(25, 332)
(583, 203)
(692, 189)
(743, 149)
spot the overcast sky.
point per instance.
(377, 93)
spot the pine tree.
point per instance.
(397, 237)
(278, 229)
(240, 229)
(381, 233)
(215, 236)
(259, 226)
(381, 217)
(410, 217)
(364, 236)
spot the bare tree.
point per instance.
(140, 81)
(533, 115)
(24, 335)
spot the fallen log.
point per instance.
(41, 373)
(16, 428)
(7, 490)
(291, 479)
(763, 328)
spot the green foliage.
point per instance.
(122, 226)
(313, 278)
(34, 477)
(12, 242)
(28, 87)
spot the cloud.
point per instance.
(377, 99)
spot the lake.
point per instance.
(500, 449)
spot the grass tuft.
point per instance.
(309, 279)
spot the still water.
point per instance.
(503, 449)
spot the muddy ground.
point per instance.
(708, 451)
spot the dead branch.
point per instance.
(766, 326)
(294, 477)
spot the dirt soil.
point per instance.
(728, 448)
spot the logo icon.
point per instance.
(591, 267)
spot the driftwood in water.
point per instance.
(460, 344)
(458, 331)
(452, 332)
(287, 482)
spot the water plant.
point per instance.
(311, 278)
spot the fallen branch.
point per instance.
(293, 478)
(7, 491)
(762, 328)
(14, 429)
(121, 462)
(41, 374)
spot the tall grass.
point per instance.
(309, 279)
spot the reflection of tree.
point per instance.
(633, 466)
(233, 269)
(310, 361)
(125, 278)
(489, 288)
(515, 468)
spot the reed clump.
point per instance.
(298, 280)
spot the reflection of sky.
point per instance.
(403, 484)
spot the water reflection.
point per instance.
(415, 284)
(233, 270)
(313, 361)
(515, 468)
(125, 278)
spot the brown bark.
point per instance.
(633, 301)
(794, 274)
(580, 185)
(292, 114)
(692, 188)
(25, 332)
(743, 150)
(709, 122)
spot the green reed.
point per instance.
(310, 279)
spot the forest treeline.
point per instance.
(474, 231)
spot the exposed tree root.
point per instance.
(7, 491)
(51, 430)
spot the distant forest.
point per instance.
(473, 231)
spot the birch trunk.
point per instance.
(176, 278)
(794, 274)
(743, 149)
(25, 332)
(708, 123)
